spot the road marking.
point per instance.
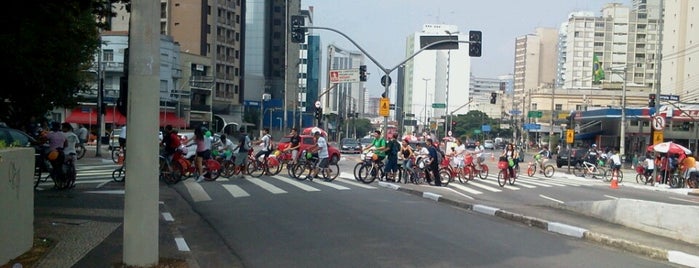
(354, 182)
(167, 216)
(267, 186)
(181, 244)
(497, 184)
(529, 181)
(235, 190)
(540, 182)
(106, 192)
(347, 175)
(196, 191)
(297, 183)
(330, 184)
(680, 199)
(612, 197)
(486, 187)
(523, 184)
(465, 189)
(552, 199)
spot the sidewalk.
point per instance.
(85, 229)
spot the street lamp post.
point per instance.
(425, 121)
(622, 129)
(446, 100)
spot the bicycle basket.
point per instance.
(502, 164)
(368, 156)
(640, 169)
(468, 160)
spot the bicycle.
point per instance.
(308, 162)
(548, 170)
(504, 175)
(172, 168)
(119, 174)
(589, 169)
(447, 170)
(118, 154)
(643, 177)
(609, 173)
(80, 150)
(370, 170)
(365, 158)
(63, 178)
(269, 165)
(479, 168)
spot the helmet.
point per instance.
(53, 155)
(594, 145)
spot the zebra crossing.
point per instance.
(96, 177)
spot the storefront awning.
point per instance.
(88, 116)
(170, 118)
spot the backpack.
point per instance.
(395, 147)
(245, 140)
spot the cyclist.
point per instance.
(81, 132)
(266, 143)
(406, 153)
(69, 146)
(422, 153)
(122, 138)
(543, 156)
(243, 148)
(203, 151)
(511, 154)
(592, 154)
(391, 150)
(171, 141)
(379, 145)
(688, 166)
(648, 165)
(321, 147)
(458, 154)
(478, 152)
(615, 160)
(294, 145)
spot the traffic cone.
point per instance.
(492, 157)
(615, 181)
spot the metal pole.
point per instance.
(446, 100)
(425, 120)
(286, 59)
(100, 97)
(553, 109)
(622, 131)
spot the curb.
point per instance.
(671, 256)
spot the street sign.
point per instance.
(409, 115)
(318, 104)
(532, 126)
(384, 80)
(657, 137)
(344, 76)
(658, 122)
(570, 136)
(534, 114)
(669, 97)
(485, 128)
(412, 122)
(515, 112)
(439, 105)
(384, 106)
(392, 106)
(476, 131)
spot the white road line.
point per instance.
(222, 179)
(534, 182)
(612, 197)
(552, 199)
(167, 216)
(181, 244)
(524, 184)
(332, 185)
(267, 186)
(485, 187)
(685, 200)
(538, 181)
(459, 193)
(347, 175)
(354, 182)
(106, 192)
(507, 186)
(465, 189)
(235, 190)
(294, 182)
(196, 191)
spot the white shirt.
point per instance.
(265, 142)
(71, 140)
(650, 163)
(478, 150)
(423, 152)
(323, 145)
(616, 159)
(459, 150)
(228, 145)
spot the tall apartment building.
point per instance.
(680, 50)
(434, 76)
(536, 57)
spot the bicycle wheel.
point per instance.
(417, 176)
(549, 170)
(675, 181)
(605, 174)
(330, 173)
(227, 169)
(531, 170)
(299, 170)
(367, 174)
(620, 176)
(356, 170)
(212, 170)
(501, 178)
(444, 176)
(118, 174)
(461, 174)
(80, 151)
(115, 155)
(274, 166)
(483, 173)
(71, 175)
(256, 168)
(578, 171)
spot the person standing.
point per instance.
(391, 150)
(171, 141)
(294, 144)
(243, 149)
(81, 132)
(203, 153)
(323, 157)
(122, 138)
(433, 168)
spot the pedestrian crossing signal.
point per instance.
(384, 106)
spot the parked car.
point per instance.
(578, 157)
(350, 145)
(489, 144)
(16, 138)
(365, 141)
(470, 144)
(306, 142)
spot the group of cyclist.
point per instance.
(58, 147)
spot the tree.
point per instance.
(47, 50)
(363, 126)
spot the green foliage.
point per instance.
(47, 50)
(363, 126)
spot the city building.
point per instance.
(680, 67)
(431, 73)
(342, 99)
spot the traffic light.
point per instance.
(362, 73)
(474, 46)
(651, 100)
(319, 113)
(571, 120)
(493, 97)
(453, 123)
(298, 31)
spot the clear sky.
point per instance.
(382, 26)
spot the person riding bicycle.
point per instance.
(294, 145)
(81, 132)
(171, 141)
(542, 157)
(265, 143)
(648, 166)
(379, 145)
(422, 153)
(70, 142)
(244, 146)
(458, 154)
(592, 154)
(511, 155)
(406, 153)
(615, 160)
(688, 166)
(478, 152)
(225, 147)
(321, 147)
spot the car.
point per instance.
(578, 157)
(470, 144)
(365, 141)
(488, 144)
(10, 137)
(306, 142)
(350, 145)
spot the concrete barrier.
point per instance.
(668, 220)
(16, 202)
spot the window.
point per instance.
(107, 55)
(559, 107)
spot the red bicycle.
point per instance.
(504, 175)
(476, 168)
(447, 170)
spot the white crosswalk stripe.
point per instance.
(235, 190)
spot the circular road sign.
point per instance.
(385, 80)
(317, 104)
(658, 122)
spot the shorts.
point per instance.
(294, 155)
(391, 164)
(323, 162)
(206, 155)
(240, 158)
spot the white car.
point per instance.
(489, 144)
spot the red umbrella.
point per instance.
(309, 131)
(669, 147)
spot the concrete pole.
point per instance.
(141, 215)
(622, 130)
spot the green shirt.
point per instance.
(379, 143)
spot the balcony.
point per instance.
(112, 66)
